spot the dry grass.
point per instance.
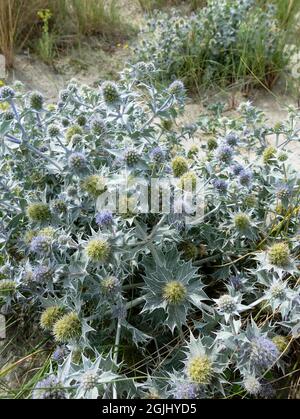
(17, 20)
(148, 5)
(71, 19)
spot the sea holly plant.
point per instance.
(149, 258)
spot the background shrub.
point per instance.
(224, 43)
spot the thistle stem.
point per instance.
(116, 352)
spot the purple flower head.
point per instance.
(221, 185)
(224, 153)
(59, 353)
(232, 139)
(49, 388)
(104, 218)
(42, 274)
(41, 245)
(283, 190)
(237, 169)
(77, 161)
(157, 154)
(6, 93)
(185, 391)
(263, 353)
(245, 177)
(267, 390)
(236, 282)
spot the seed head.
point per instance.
(50, 316)
(179, 166)
(77, 161)
(89, 380)
(67, 328)
(279, 255)
(53, 131)
(199, 370)
(174, 292)
(98, 250)
(7, 288)
(6, 93)
(94, 185)
(227, 304)
(188, 181)
(252, 385)
(131, 157)
(36, 101)
(110, 93)
(269, 155)
(38, 212)
(242, 222)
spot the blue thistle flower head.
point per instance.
(283, 190)
(237, 169)
(49, 388)
(41, 245)
(263, 353)
(220, 185)
(232, 139)
(98, 126)
(267, 390)
(185, 390)
(224, 153)
(77, 161)
(6, 93)
(42, 273)
(59, 353)
(104, 218)
(176, 88)
(157, 154)
(236, 282)
(245, 177)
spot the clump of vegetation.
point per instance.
(184, 291)
(149, 5)
(226, 42)
(48, 26)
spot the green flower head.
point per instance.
(39, 212)
(279, 255)
(67, 328)
(199, 369)
(98, 250)
(242, 221)
(94, 185)
(7, 288)
(179, 166)
(281, 342)
(50, 316)
(188, 181)
(269, 154)
(174, 292)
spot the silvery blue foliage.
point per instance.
(171, 296)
